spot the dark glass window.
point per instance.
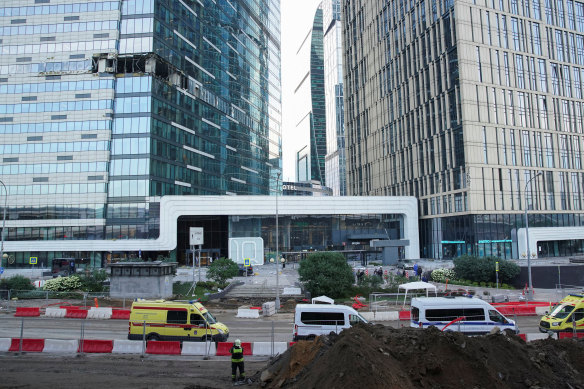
(322, 318)
(177, 317)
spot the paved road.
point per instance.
(250, 330)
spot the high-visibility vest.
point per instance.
(236, 354)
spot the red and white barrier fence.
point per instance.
(75, 312)
(91, 346)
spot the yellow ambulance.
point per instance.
(567, 313)
(174, 320)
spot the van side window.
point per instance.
(354, 319)
(496, 316)
(197, 319)
(176, 317)
(578, 314)
(470, 314)
(323, 318)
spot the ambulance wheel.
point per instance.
(153, 337)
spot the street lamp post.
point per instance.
(530, 291)
(3, 222)
(277, 247)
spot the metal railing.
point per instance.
(562, 290)
(83, 329)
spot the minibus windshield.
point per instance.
(561, 311)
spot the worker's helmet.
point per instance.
(237, 342)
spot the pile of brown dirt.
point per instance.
(375, 356)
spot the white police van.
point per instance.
(312, 320)
(469, 315)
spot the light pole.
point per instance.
(530, 291)
(3, 222)
(277, 246)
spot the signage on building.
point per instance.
(196, 236)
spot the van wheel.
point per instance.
(153, 337)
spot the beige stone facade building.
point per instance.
(475, 108)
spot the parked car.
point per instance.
(241, 271)
(405, 264)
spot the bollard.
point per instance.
(82, 336)
(143, 338)
(208, 346)
(21, 336)
(272, 349)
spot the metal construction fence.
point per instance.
(11, 299)
(388, 301)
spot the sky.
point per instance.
(296, 18)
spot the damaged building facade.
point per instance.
(107, 106)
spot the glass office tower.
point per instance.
(335, 161)
(476, 109)
(309, 97)
(105, 106)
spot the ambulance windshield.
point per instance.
(210, 319)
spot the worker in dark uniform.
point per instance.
(237, 360)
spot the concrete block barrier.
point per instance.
(99, 313)
(28, 345)
(76, 313)
(369, 316)
(27, 311)
(5, 344)
(121, 314)
(265, 348)
(124, 346)
(61, 346)
(97, 346)
(269, 308)
(540, 311)
(404, 315)
(248, 313)
(224, 347)
(198, 348)
(55, 312)
(570, 335)
(387, 316)
(163, 347)
(538, 336)
(291, 291)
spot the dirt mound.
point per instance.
(381, 357)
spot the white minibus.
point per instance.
(312, 320)
(469, 315)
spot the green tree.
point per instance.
(16, 282)
(477, 269)
(326, 273)
(221, 270)
(93, 281)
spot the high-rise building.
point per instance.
(106, 106)
(335, 161)
(310, 105)
(462, 104)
